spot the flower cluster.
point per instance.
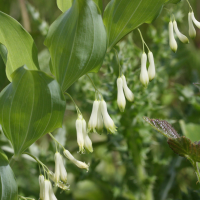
(122, 89)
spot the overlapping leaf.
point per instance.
(20, 45)
(8, 185)
(31, 106)
(123, 16)
(77, 42)
(64, 5)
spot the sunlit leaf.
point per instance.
(8, 185)
(123, 16)
(31, 106)
(19, 44)
(64, 5)
(77, 42)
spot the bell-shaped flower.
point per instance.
(192, 31)
(57, 167)
(46, 190)
(63, 172)
(108, 122)
(172, 42)
(151, 69)
(79, 131)
(99, 126)
(87, 141)
(93, 118)
(128, 93)
(41, 183)
(197, 23)
(144, 78)
(181, 37)
(121, 101)
(79, 164)
(51, 193)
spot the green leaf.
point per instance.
(77, 42)
(99, 4)
(8, 185)
(174, 1)
(185, 148)
(3, 78)
(31, 106)
(64, 5)
(123, 16)
(20, 45)
(3, 53)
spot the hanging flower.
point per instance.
(144, 78)
(109, 124)
(63, 172)
(51, 193)
(46, 190)
(128, 93)
(93, 118)
(99, 126)
(197, 23)
(181, 37)
(151, 69)
(121, 101)
(79, 164)
(87, 141)
(172, 42)
(79, 131)
(57, 167)
(192, 31)
(41, 183)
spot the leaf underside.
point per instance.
(31, 106)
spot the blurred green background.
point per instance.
(136, 163)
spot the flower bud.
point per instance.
(192, 31)
(151, 69)
(79, 131)
(41, 183)
(93, 118)
(76, 162)
(128, 93)
(172, 42)
(51, 193)
(87, 141)
(144, 78)
(109, 124)
(57, 167)
(99, 126)
(197, 23)
(46, 190)
(121, 101)
(181, 37)
(63, 172)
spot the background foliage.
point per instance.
(136, 163)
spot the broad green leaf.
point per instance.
(3, 79)
(64, 5)
(123, 16)
(8, 185)
(99, 4)
(185, 148)
(31, 106)
(77, 42)
(3, 53)
(174, 1)
(20, 45)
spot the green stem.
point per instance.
(77, 109)
(56, 141)
(143, 42)
(196, 168)
(189, 5)
(120, 68)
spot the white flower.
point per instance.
(93, 118)
(46, 190)
(181, 37)
(63, 172)
(192, 31)
(197, 23)
(172, 42)
(41, 183)
(128, 93)
(109, 124)
(99, 126)
(151, 69)
(76, 162)
(57, 167)
(51, 193)
(144, 78)
(79, 131)
(87, 141)
(121, 101)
